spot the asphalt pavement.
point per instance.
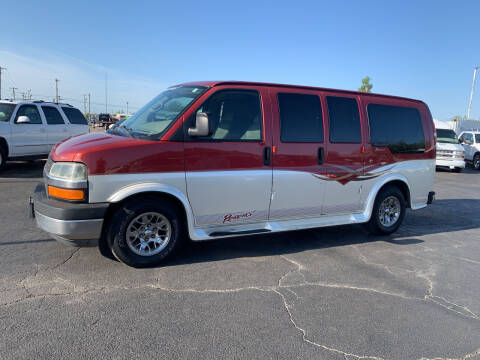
(334, 293)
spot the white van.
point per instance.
(29, 129)
(450, 154)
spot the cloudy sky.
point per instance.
(419, 49)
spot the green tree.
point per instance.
(366, 86)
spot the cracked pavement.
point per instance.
(335, 293)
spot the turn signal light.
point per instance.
(67, 194)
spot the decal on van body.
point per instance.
(353, 175)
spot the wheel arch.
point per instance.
(159, 191)
(397, 180)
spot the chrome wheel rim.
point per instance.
(389, 211)
(148, 234)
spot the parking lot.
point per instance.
(335, 293)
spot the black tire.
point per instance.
(476, 162)
(124, 216)
(3, 157)
(375, 225)
(457, 170)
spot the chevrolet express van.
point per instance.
(211, 160)
(450, 153)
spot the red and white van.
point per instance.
(212, 160)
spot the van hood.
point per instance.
(112, 154)
(448, 146)
(69, 149)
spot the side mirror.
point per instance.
(23, 120)
(202, 127)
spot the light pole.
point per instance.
(471, 92)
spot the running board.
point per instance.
(246, 232)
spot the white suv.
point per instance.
(29, 129)
(471, 143)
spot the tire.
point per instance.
(158, 222)
(3, 157)
(476, 162)
(391, 197)
(457, 170)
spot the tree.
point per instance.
(366, 86)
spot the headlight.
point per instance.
(69, 171)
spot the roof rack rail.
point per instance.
(38, 101)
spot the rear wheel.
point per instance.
(145, 232)
(388, 211)
(476, 162)
(3, 157)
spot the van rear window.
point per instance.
(399, 128)
(300, 118)
(74, 116)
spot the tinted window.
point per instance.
(477, 138)
(52, 116)
(233, 116)
(31, 111)
(74, 116)
(399, 128)
(300, 118)
(6, 111)
(344, 120)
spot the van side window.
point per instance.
(52, 116)
(300, 118)
(399, 128)
(31, 111)
(234, 115)
(74, 116)
(344, 120)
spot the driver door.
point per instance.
(229, 173)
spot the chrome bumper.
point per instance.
(73, 232)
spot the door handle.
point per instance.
(321, 155)
(267, 155)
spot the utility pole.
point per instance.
(106, 98)
(471, 92)
(89, 113)
(56, 90)
(1, 68)
(127, 107)
(85, 104)
(13, 91)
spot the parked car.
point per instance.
(450, 153)
(471, 143)
(29, 129)
(106, 120)
(215, 160)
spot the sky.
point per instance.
(420, 49)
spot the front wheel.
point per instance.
(457, 170)
(388, 211)
(145, 232)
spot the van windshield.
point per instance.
(151, 121)
(6, 111)
(446, 136)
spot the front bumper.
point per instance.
(73, 224)
(450, 163)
